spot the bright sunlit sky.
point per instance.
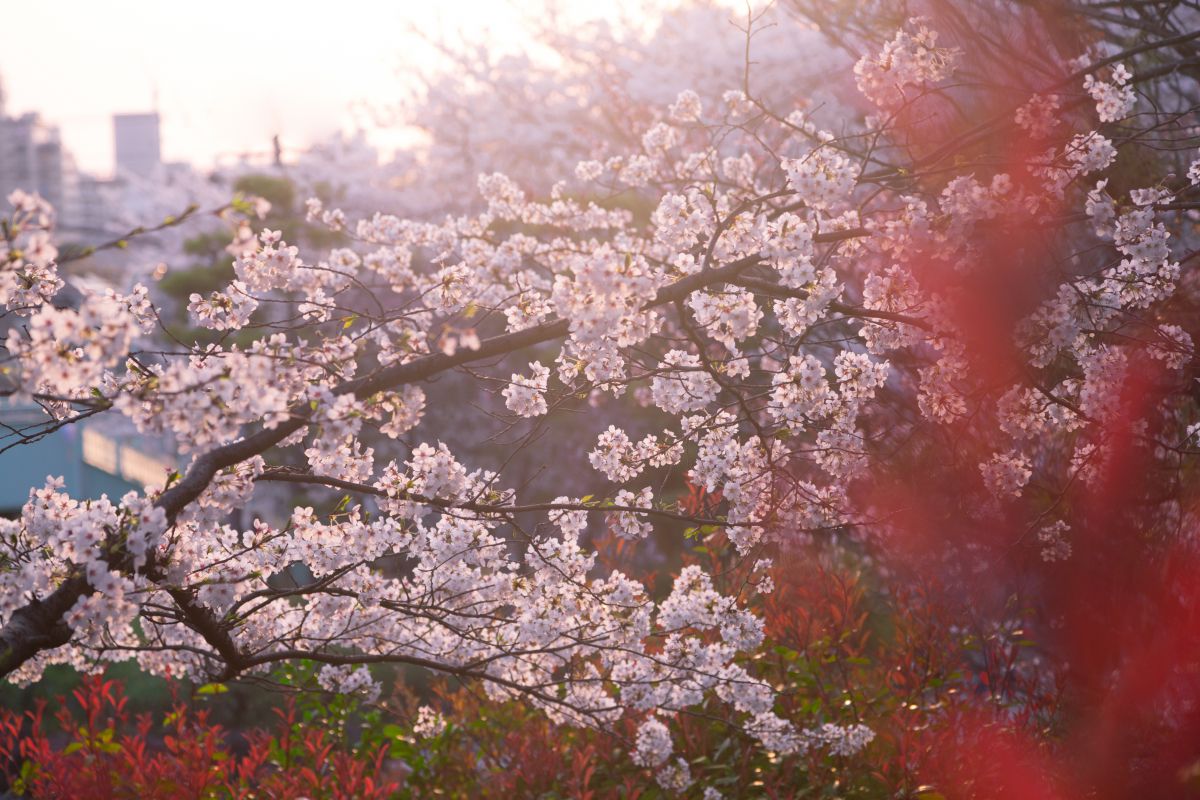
(228, 74)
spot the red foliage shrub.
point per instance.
(98, 752)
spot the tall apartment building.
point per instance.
(32, 158)
(135, 137)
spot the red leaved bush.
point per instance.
(100, 753)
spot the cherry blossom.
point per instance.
(792, 316)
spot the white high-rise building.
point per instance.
(135, 137)
(32, 158)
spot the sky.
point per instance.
(226, 75)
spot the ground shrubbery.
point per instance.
(842, 646)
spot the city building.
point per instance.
(92, 217)
(91, 460)
(32, 158)
(136, 142)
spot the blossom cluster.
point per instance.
(908, 61)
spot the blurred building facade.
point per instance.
(92, 460)
(32, 158)
(136, 143)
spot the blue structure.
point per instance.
(91, 461)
